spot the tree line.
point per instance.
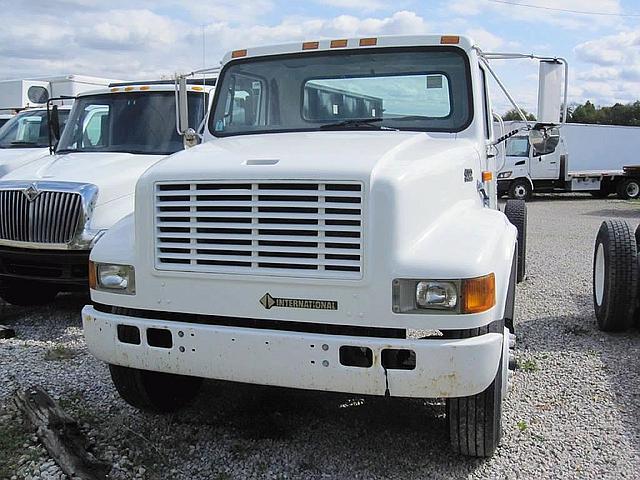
(618, 114)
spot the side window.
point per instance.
(246, 104)
(485, 104)
(517, 147)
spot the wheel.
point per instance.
(516, 213)
(475, 422)
(615, 276)
(154, 391)
(629, 189)
(520, 189)
(26, 293)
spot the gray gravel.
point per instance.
(573, 411)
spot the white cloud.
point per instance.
(545, 11)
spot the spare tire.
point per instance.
(615, 276)
(516, 213)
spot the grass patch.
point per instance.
(13, 435)
(528, 366)
(59, 352)
(522, 425)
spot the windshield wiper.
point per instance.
(68, 150)
(22, 142)
(356, 123)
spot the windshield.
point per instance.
(136, 122)
(29, 129)
(518, 147)
(424, 89)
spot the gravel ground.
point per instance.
(573, 411)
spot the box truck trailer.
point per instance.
(598, 159)
(338, 229)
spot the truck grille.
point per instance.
(304, 229)
(52, 217)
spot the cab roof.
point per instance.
(169, 86)
(354, 43)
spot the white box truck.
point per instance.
(599, 159)
(337, 230)
(23, 106)
(54, 209)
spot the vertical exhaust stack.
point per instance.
(550, 91)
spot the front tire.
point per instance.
(24, 293)
(615, 276)
(156, 392)
(516, 213)
(475, 422)
(629, 189)
(520, 189)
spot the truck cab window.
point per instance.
(415, 88)
(29, 129)
(518, 147)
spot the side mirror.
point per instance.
(190, 138)
(54, 122)
(183, 106)
(544, 139)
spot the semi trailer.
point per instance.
(54, 209)
(598, 159)
(343, 240)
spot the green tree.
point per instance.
(514, 115)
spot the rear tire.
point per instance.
(629, 189)
(475, 422)
(520, 189)
(157, 392)
(24, 293)
(516, 213)
(615, 276)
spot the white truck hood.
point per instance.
(329, 155)
(12, 158)
(115, 174)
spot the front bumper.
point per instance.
(443, 368)
(67, 269)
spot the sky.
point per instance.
(147, 39)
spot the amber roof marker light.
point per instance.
(310, 45)
(368, 42)
(338, 43)
(449, 40)
(239, 53)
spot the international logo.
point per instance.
(31, 192)
(269, 302)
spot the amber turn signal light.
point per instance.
(478, 294)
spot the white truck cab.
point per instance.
(25, 137)
(56, 207)
(336, 230)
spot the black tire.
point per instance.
(615, 276)
(628, 189)
(520, 189)
(27, 294)
(516, 213)
(154, 391)
(475, 422)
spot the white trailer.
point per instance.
(311, 243)
(599, 159)
(16, 95)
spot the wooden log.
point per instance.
(61, 435)
(7, 332)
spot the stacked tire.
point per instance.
(616, 276)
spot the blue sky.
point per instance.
(152, 38)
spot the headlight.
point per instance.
(112, 278)
(504, 174)
(436, 295)
(469, 295)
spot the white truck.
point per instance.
(598, 159)
(54, 209)
(337, 230)
(23, 104)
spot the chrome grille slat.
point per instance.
(51, 218)
(296, 228)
